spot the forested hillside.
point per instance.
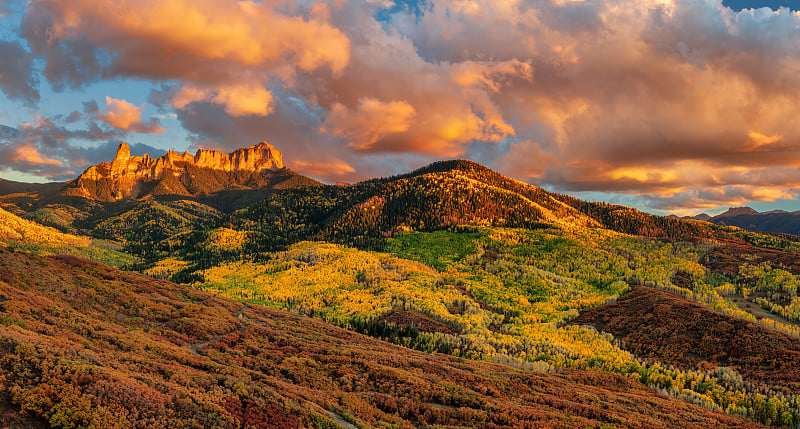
(22, 234)
(665, 326)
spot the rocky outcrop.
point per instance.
(130, 176)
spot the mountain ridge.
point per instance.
(136, 177)
(772, 221)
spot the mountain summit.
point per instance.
(262, 156)
(204, 173)
(738, 211)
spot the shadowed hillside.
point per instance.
(665, 326)
(11, 187)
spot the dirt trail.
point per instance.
(195, 348)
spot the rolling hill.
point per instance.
(22, 234)
(11, 187)
(664, 325)
(85, 345)
(440, 195)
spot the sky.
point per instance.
(670, 106)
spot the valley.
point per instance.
(542, 310)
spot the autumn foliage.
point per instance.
(85, 345)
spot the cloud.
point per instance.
(453, 101)
(53, 147)
(124, 116)
(322, 168)
(669, 99)
(675, 100)
(17, 78)
(218, 48)
(711, 198)
(29, 154)
(238, 100)
(372, 120)
(527, 158)
(26, 156)
(52, 132)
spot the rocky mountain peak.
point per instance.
(125, 176)
(123, 152)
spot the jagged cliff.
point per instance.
(204, 173)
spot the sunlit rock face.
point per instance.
(134, 176)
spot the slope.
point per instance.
(662, 325)
(82, 344)
(11, 187)
(22, 234)
(365, 214)
(437, 196)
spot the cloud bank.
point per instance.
(688, 103)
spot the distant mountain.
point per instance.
(201, 175)
(736, 211)
(11, 187)
(775, 221)
(86, 345)
(142, 201)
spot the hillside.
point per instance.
(11, 187)
(23, 234)
(438, 196)
(662, 325)
(82, 344)
(775, 221)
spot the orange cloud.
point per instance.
(370, 121)
(219, 49)
(243, 32)
(323, 168)
(238, 100)
(759, 140)
(29, 154)
(123, 115)
(493, 75)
